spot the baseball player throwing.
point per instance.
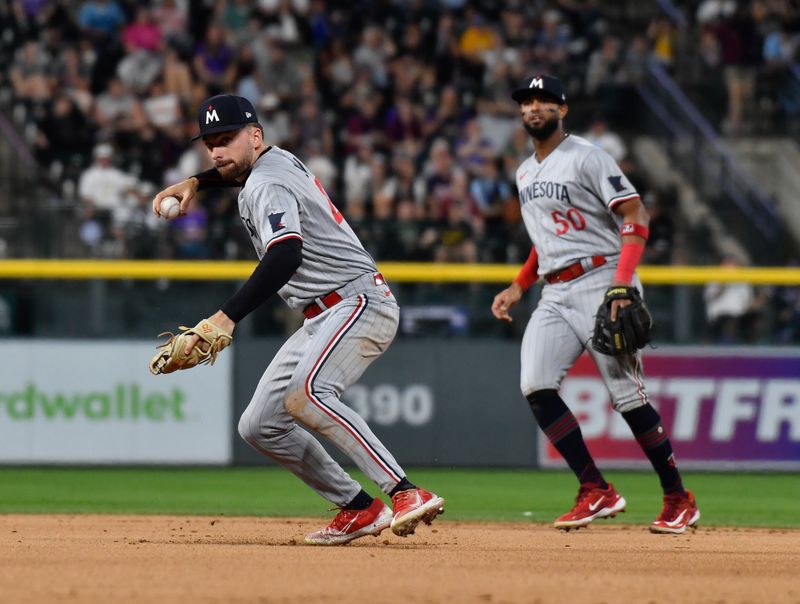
(588, 228)
(309, 256)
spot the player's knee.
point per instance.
(530, 387)
(260, 436)
(628, 404)
(248, 429)
(542, 399)
(296, 402)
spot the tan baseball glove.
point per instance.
(171, 354)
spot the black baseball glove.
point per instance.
(632, 329)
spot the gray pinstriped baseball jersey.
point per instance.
(567, 200)
(301, 388)
(567, 205)
(282, 200)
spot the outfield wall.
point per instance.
(444, 402)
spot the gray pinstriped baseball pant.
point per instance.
(561, 328)
(301, 390)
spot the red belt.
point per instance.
(573, 271)
(332, 299)
(313, 309)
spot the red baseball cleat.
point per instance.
(679, 511)
(411, 507)
(591, 503)
(352, 524)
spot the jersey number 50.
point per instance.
(573, 218)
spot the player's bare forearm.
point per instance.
(505, 300)
(221, 320)
(184, 191)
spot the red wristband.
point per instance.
(529, 273)
(628, 260)
(633, 228)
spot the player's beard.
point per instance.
(544, 131)
(234, 169)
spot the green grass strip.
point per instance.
(725, 499)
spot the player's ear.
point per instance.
(258, 135)
(562, 111)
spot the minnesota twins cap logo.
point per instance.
(541, 84)
(224, 113)
(211, 115)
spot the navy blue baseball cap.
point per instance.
(541, 84)
(223, 113)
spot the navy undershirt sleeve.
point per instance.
(277, 266)
(211, 179)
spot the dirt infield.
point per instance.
(144, 559)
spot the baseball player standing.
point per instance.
(309, 256)
(588, 228)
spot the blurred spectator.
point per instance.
(31, 73)
(273, 119)
(727, 305)
(372, 54)
(357, 173)
(138, 70)
(737, 40)
(438, 177)
(404, 126)
(143, 33)
(117, 111)
(659, 247)
(103, 191)
(786, 303)
(405, 184)
(473, 149)
(446, 117)
(663, 38)
(457, 242)
(279, 73)
(74, 72)
(492, 193)
(64, 136)
(140, 227)
(518, 149)
(610, 142)
(479, 38)
(176, 75)
(189, 233)
(320, 164)
(782, 48)
(551, 47)
(171, 17)
(162, 108)
(214, 60)
(236, 16)
(100, 19)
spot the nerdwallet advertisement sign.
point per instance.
(65, 402)
(723, 408)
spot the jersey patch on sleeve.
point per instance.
(616, 182)
(276, 221)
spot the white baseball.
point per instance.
(169, 207)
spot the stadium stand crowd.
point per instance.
(400, 107)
